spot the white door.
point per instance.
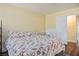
(61, 28)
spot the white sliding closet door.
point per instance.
(61, 28)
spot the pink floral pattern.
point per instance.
(33, 44)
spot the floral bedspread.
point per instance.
(33, 44)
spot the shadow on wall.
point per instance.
(4, 38)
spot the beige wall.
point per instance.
(50, 22)
(17, 19)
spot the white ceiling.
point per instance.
(45, 8)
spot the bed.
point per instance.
(33, 44)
